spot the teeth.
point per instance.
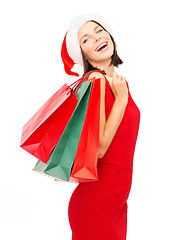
(104, 44)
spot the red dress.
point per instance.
(98, 210)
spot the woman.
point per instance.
(98, 210)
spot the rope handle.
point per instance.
(74, 84)
(81, 80)
(81, 83)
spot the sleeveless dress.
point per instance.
(98, 210)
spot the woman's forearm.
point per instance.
(109, 127)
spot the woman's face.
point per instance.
(95, 43)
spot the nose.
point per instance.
(97, 38)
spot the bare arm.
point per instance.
(108, 128)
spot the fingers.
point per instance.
(117, 78)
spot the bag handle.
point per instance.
(74, 84)
(81, 80)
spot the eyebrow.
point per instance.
(88, 34)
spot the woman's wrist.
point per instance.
(122, 101)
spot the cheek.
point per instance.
(107, 36)
(111, 44)
(88, 49)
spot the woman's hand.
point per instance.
(109, 126)
(119, 87)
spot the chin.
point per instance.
(104, 57)
(101, 57)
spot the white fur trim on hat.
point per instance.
(72, 42)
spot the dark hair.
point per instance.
(115, 58)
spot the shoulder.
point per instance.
(95, 74)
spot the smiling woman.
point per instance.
(98, 210)
(97, 46)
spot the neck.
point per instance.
(109, 69)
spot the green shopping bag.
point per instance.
(62, 158)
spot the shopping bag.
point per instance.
(61, 160)
(86, 158)
(42, 132)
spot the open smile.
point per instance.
(102, 47)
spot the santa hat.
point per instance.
(71, 51)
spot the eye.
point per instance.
(100, 30)
(85, 40)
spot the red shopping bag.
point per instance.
(42, 132)
(85, 163)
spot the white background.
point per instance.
(147, 34)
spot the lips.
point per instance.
(102, 46)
